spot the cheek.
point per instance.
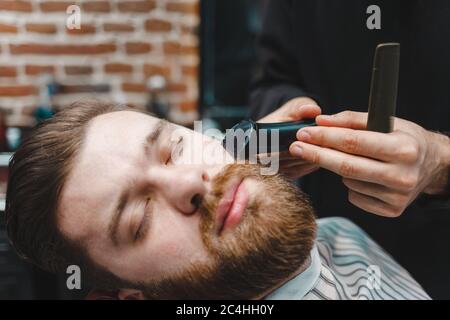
(177, 243)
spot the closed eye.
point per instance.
(144, 224)
(176, 151)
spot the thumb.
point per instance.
(294, 110)
(307, 111)
(345, 119)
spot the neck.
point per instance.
(303, 267)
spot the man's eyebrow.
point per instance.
(154, 135)
(113, 226)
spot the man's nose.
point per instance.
(184, 187)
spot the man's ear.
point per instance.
(130, 294)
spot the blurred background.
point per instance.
(183, 60)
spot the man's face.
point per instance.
(148, 211)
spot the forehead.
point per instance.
(108, 131)
(111, 150)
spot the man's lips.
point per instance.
(232, 206)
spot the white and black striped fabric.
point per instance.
(347, 265)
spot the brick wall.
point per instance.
(120, 44)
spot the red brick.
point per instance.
(188, 105)
(185, 29)
(136, 6)
(177, 87)
(158, 25)
(38, 69)
(190, 71)
(17, 90)
(16, 5)
(118, 68)
(84, 88)
(84, 29)
(171, 47)
(189, 50)
(96, 6)
(183, 7)
(46, 28)
(152, 69)
(118, 27)
(31, 69)
(8, 71)
(134, 87)
(69, 49)
(137, 47)
(78, 70)
(55, 6)
(8, 28)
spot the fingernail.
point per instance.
(304, 135)
(325, 117)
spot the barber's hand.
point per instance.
(383, 172)
(294, 110)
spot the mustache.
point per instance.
(220, 182)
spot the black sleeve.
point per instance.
(433, 203)
(278, 80)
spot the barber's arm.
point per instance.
(384, 173)
(278, 86)
(277, 92)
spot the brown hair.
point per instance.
(37, 173)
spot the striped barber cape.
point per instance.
(348, 265)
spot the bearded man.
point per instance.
(116, 192)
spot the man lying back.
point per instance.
(115, 191)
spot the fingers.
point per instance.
(394, 198)
(357, 121)
(294, 110)
(373, 205)
(345, 119)
(386, 147)
(308, 111)
(350, 166)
